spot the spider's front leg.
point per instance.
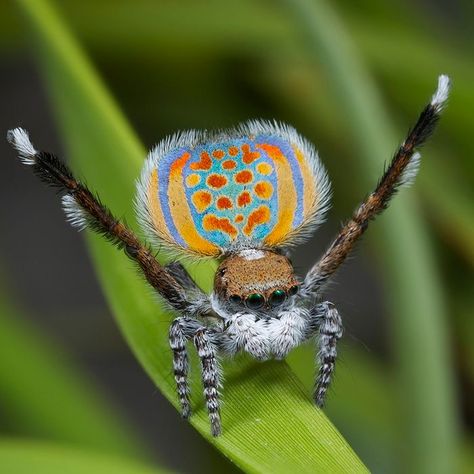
(177, 339)
(329, 323)
(184, 329)
(210, 376)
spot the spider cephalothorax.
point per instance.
(245, 196)
(256, 279)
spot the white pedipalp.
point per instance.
(287, 331)
(246, 333)
(265, 338)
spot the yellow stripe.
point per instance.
(310, 195)
(287, 198)
(156, 212)
(180, 212)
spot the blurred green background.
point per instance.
(350, 76)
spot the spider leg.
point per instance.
(84, 210)
(401, 171)
(199, 303)
(330, 331)
(181, 330)
(180, 274)
(177, 339)
(210, 376)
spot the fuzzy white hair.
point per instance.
(409, 174)
(75, 215)
(439, 98)
(20, 140)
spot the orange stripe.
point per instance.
(287, 198)
(310, 195)
(180, 212)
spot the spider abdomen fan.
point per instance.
(260, 185)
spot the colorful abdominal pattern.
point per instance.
(211, 196)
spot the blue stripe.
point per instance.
(163, 180)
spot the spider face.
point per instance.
(259, 280)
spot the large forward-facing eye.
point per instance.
(277, 298)
(236, 299)
(255, 301)
(293, 290)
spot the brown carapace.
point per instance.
(242, 276)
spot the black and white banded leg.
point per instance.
(330, 331)
(181, 331)
(210, 376)
(177, 340)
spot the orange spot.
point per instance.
(216, 181)
(264, 168)
(243, 177)
(219, 154)
(224, 203)
(212, 222)
(204, 164)
(192, 180)
(244, 199)
(178, 164)
(233, 151)
(257, 217)
(249, 156)
(229, 164)
(239, 218)
(263, 189)
(201, 200)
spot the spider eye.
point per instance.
(255, 301)
(277, 297)
(236, 299)
(293, 290)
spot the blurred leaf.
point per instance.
(43, 395)
(425, 397)
(451, 206)
(467, 458)
(27, 457)
(363, 407)
(270, 424)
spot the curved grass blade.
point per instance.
(269, 421)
